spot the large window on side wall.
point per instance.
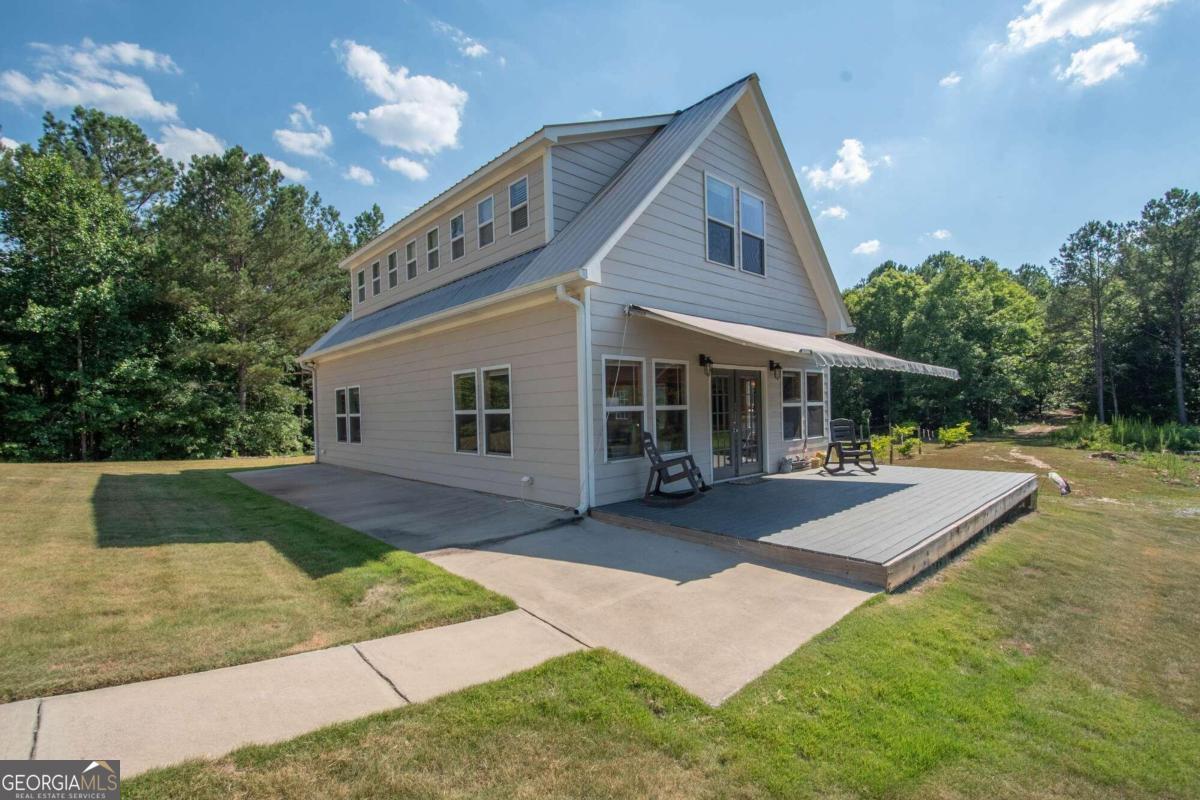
(793, 406)
(347, 406)
(466, 411)
(624, 408)
(720, 220)
(497, 411)
(670, 406)
(814, 404)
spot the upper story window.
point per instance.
(393, 270)
(410, 259)
(485, 212)
(361, 280)
(719, 213)
(754, 233)
(518, 205)
(458, 237)
(431, 250)
(376, 284)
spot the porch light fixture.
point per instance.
(776, 368)
(706, 362)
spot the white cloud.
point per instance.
(834, 212)
(421, 113)
(180, 144)
(1099, 62)
(469, 47)
(91, 75)
(359, 175)
(867, 248)
(8, 144)
(304, 136)
(953, 79)
(850, 169)
(595, 113)
(413, 170)
(1043, 21)
(287, 170)
(941, 234)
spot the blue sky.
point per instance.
(985, 128)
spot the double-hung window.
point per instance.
(348, 413)
(466, 412)
(393, 270)
(497, 411)
(431, 250)
(485, 213)
(793, 406)
(361, 280)
(518, 205)
(814, 403)
(624, 408)
(375, 282)
(458, 237)
(754, 235)
(720, 220)
(670, 406)
(410, 259)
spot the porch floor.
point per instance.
(883, 528)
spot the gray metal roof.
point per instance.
(509, 274)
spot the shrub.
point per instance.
(907, 447)
(958, 434)
(880, 443)
(1129, 434)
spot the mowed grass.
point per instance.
(1056, 658)
(118, 572)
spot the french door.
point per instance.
(736, 423)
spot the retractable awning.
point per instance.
(828, 352)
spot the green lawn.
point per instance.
(118, 572)
(1055, 659)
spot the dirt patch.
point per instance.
(1032, 461)
(318, 641)
(1111, 501)
(1020, 645)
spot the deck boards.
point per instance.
(899, 514)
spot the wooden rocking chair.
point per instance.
(660, 473)
(844, 440)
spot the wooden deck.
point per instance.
(883, 529)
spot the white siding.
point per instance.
(581, 169)
(407, 408)
(661, 262)
(504, 246)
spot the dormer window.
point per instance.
(754, 233)
(410, 259)
(362, 285)
(719, 213)
(518, 205)
(393, 270)
(431, 250)
(485, 212)
(376, 284)
(458, 237)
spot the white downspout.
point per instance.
(311, 368)
(583, 391)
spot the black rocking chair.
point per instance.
(660, 473)
(844, 440)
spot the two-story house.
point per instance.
(519, 331)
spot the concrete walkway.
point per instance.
(161, 722)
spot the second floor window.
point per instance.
(719, 212)
(486, 212)
(458, 238)
(754, 233)
(393, 271)
(410, 259)
(375, 282)
(431, 250)
(362, 286)
(518, 205)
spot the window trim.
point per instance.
(360, 288)
(434, 251)
(484, 411)
(740, 232)
(686, 407)
(414, 263)
(376, 279)
(348, 415)
(824, 407)
(393, 270)
(605, 408)
(479, 245)
(455, 413)
(785, 403)
(733, 226)
(512, 208)
(462, 237)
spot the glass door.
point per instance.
(736, 423)
(750, 458)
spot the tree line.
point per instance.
(151, 309)
(1110, 326)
